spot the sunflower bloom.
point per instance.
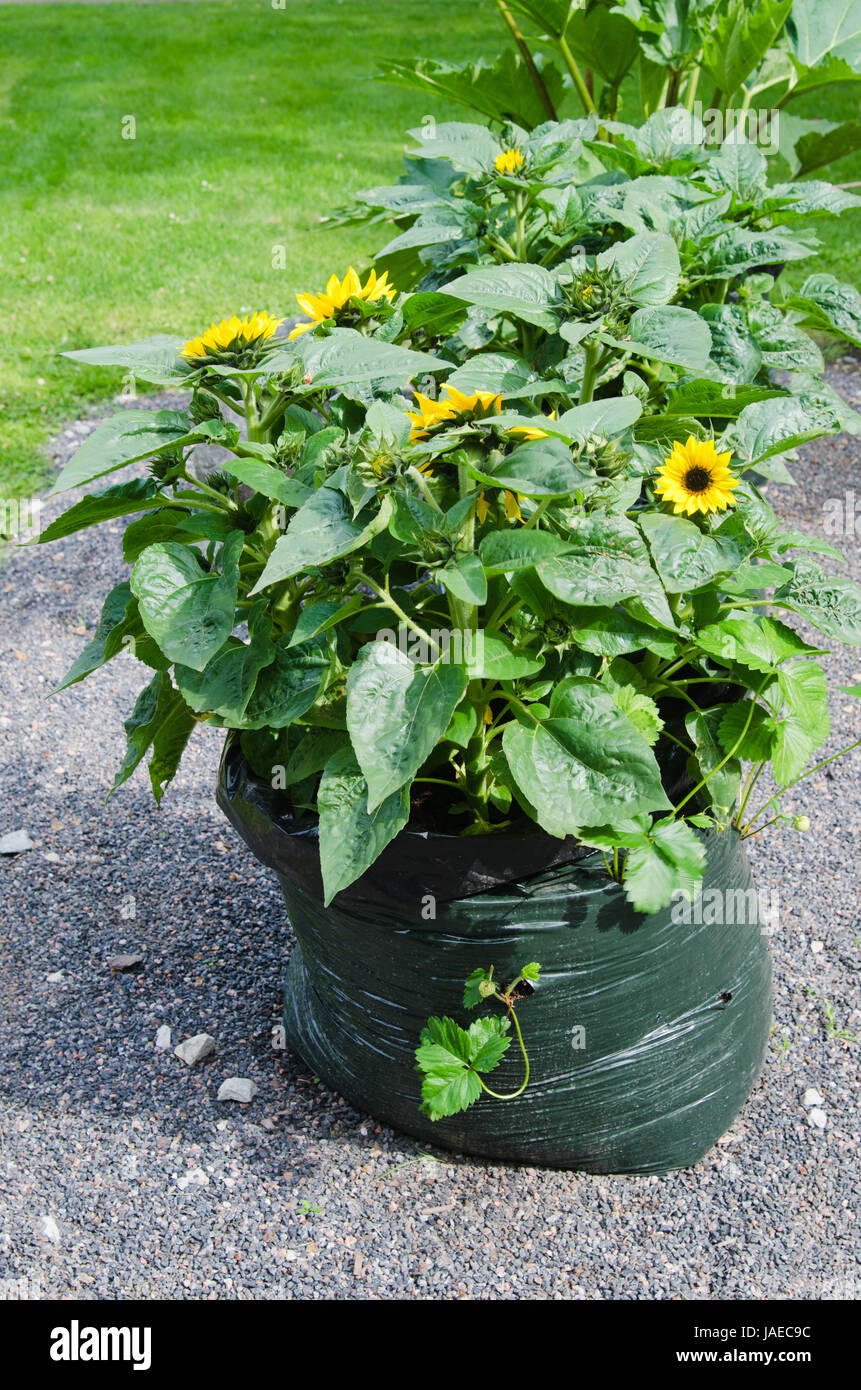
(696, 478)
(338, 293)
(232, 335)
(509, 162)
(452, 405)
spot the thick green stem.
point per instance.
(530, 63)
(577, 76)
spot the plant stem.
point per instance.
(531, 65)
(590, 371)
(576, 75)
(511, 1095)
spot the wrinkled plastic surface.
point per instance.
(675, 1016)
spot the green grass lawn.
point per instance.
(251, 124)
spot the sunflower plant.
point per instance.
(490, 546)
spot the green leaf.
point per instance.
(528, 292)
(734, 354)
(539, 468)
(830, 602)
(830, 306)
(613, 632)
(685, 557)
(826, 29)
(289, 685)
(805, 724)
(747, 733)
(667, 334)
(767, 428)
(226, 683)
(351, 836)
(496, 658)
(671, 860)
(160, 721)
(504, 551)
(268, 481)
(738, 38)
(586, 764)
(648, 263)
(346, 357)
(189, 611)
(722, 787)
(396, 714)
(450, 1058)
(818, 148)
(465, 579)
(115, 632)
(606, 562)
(125, 438)
(104, 505)
(155, 359)
(321, 616)
(322, 530)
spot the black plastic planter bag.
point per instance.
(645, 1034)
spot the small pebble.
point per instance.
(16, 842)
(811, 1098)
(817, 1118)
(196, 1178)
(162, 1038)
(237, 1088)
(49, 1229)
(195, 1049)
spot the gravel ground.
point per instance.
(123, 1176)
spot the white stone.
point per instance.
(56, 977)
(196, 1178)
(817, 1117)
(49, 1229)
(162, 1038)
(817, 947)
(237, 1088)
(195, 1049)
(811, 1097)
(15, 842)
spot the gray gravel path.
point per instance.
(121, 1175)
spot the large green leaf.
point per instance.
(129, 436)
(827, 28)
(225, 684)
(803, 724)
(155, 359)
(539, 468)
(159, 721)
(667, 334)
(322, 530)
(671, 859)
(104, 505)
(648, 263)
(504, 551)
(351, 836)
(830, 602)
(737, 39)
(685, 557)
(830, 306)
(526, 291)
(345, 357)
(188, 610)
(817, 148)
(586, 764)
(773, 427)
(268, 481)
(396, 714)
(289, 685)
(606, 562)
(498, 88)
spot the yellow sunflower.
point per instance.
(696, 478)
(232, 335)
(509, 162)
(452, 405)
(337, 293)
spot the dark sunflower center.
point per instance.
(697, 479)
